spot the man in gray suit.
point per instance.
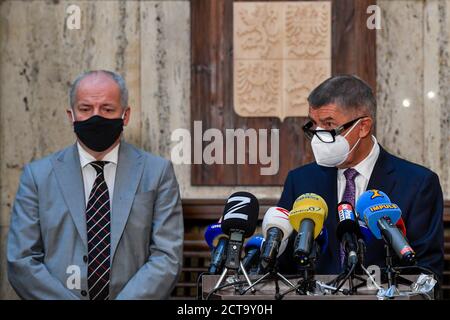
(100, 219)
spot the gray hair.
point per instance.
(115, 76)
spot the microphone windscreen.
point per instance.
(374, 205)
(345, 211)
(377, 212)
(240, 213)
(254, 242)
(309, 206)
(212, 234)
(348, 221)
(368, 199)
(279, 218)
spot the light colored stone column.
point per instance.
(413, 64)
(400, 129)
(437, 90)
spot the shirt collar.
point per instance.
(86, 158)
(366, 166)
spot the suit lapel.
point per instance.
(330, 196)
(330, 187)
(68, 173)
(381, 178)
(128, 175)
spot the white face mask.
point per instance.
(335, 153)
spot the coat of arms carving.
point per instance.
(282, 50)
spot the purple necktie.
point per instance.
(350, 188)
(349, 196)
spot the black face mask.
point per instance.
(98, 133)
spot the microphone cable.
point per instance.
(345, 278)
(200, 294)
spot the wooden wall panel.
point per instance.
(211, 80)
(353, 51)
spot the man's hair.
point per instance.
(345, 91)
(115, 76)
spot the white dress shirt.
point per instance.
(89, 173)
(364, 169)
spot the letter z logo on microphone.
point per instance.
(232, 214)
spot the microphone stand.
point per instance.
(351, 269)
(236, 277)
(272, 273)
(391, 273)
(233, 261)
(360, 266)
(307, 283)
(352, 288)
(361, 250)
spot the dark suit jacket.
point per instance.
(415, 189)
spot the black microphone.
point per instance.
(348, 232)
(393, 236)
(218, 256)
(239, 222)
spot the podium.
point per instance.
(266, 290)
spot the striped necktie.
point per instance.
(98, 220)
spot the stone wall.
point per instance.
(413, 64)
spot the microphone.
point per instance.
(320, 245)
(367, 235)
(307, 218)
(212, 235)
(380, 215)
(283, 246)
(322, 240)
(217, 242)
(276, 228)
(238, 222)
(252, 251)
(348, 231)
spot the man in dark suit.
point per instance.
(349, 161)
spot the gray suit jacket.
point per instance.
(47, 239)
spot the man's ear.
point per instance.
(366, 127)
(70, 115)
(126, 117)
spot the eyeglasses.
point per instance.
(327, 136)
